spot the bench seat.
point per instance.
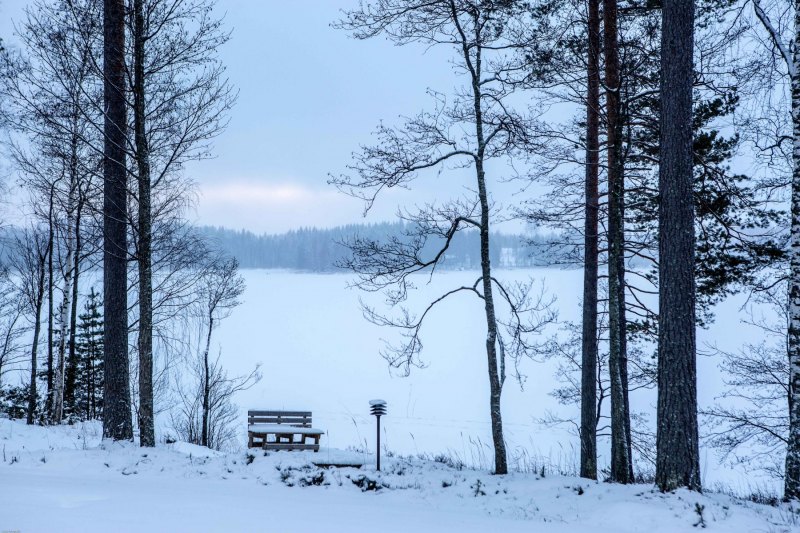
(283, 429)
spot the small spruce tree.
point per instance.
(87, 403)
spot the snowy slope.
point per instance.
(66, 479)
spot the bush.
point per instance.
(14, 402)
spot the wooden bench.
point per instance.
(281, 430)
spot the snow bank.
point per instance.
(66, 479)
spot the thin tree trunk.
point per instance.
(620, 458)
(495, 363)
(67, 305)
(33, 395)
(50, 306)
(90, 393)
(144, 259)
(72, 359)
(792, 477)
(117, 423)
(677, 449)
(590, 251)
(206, 384)
(58, 388)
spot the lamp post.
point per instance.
(378, 408)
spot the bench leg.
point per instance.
(249, 440)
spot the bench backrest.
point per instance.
(292, 418)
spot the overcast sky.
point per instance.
(308, 96)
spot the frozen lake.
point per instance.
(318, 353)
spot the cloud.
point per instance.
(260, 194)
(273, 207)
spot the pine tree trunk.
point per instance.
(792, 477)
(677, 449)
(590, 252)
(144, 257)
(621, 464)
(117, 423)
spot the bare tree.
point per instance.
(12, 315)
(777, 137)
(749, 423)
(180, 100)
(30, 252)
(206, 413)
(221, 288)
(476, 127)
(52, 85)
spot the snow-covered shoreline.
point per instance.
(66, 479)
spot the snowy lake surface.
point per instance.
(319, 354)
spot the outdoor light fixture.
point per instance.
(377, 408)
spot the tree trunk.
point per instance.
(58, 388)
(677, 460)
(117, 423)
(206, 384)
(144, 259)
(50, 306)
(66, 302)
(495, 362)
(495, 365)
(588, 431)
(792, 477)
(72, 359)
(617, 361)
(37, 327)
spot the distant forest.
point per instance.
(321, 250)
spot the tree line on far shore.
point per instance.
(323, 249)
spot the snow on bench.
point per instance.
(281, 430)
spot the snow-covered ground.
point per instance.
(65, 479)
(319, 354)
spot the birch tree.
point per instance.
(779, 22)
(478, 126)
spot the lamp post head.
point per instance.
(377, 407)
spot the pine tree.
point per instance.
(677, 461)
(117, 418)
(88, 397)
